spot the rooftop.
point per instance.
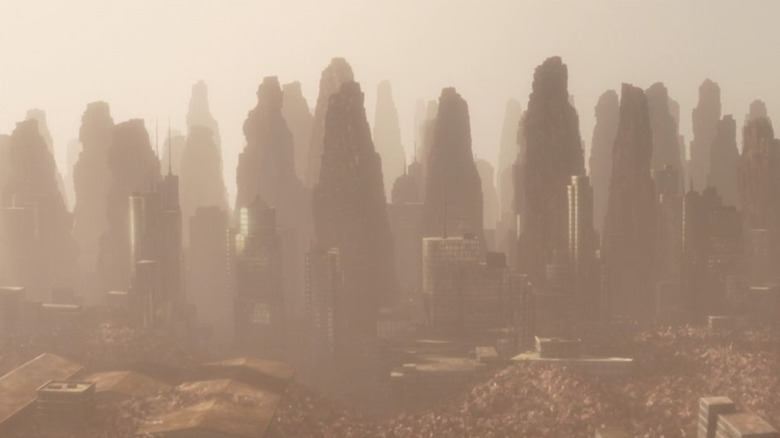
(18, 388)
(67, 386)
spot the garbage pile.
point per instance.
(674, 368)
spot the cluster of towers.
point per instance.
(335, 246)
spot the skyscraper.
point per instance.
(209, 287)
(583, 240)
(259, 300)
(553, 154)
(443, 258)
(453, 191)
(350, 213)
(156, 254)
(629, 241)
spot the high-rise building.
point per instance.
(133, 168)
(553, 154)
(156, 254)
(407, 228)
(758, 252)
(453, 191)
(582, 235)
(712, 252)
(350, 213)
(32, 184)
(259, 300)
(443, 257)
(323, 281)
(629, 238)
(209, 287)
(670, 223)
(666, 180)
(20, 242)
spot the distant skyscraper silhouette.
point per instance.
(134, 169)
(259, 303)
(600, 162)
(39, 250)
(451, 180)
(387, 136)
(350, 214)
(629, 238)
(333, 77)
(300, 120)
(553, 155)
(91, 180)
(705, 117)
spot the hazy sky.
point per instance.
(143, 56)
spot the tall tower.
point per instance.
(156, 253)
(443, 259)
(582, 236)
(259, 302)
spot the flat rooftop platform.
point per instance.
(597, 366)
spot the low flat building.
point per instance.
(18, 388)
(566, 352)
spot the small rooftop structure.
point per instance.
(215, 418)
(65, 404)
(126, 384)
(744, 425)
(266, 374)
(66, 389)
(18, 388)
(709, 409)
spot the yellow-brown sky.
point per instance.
(142, 56)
